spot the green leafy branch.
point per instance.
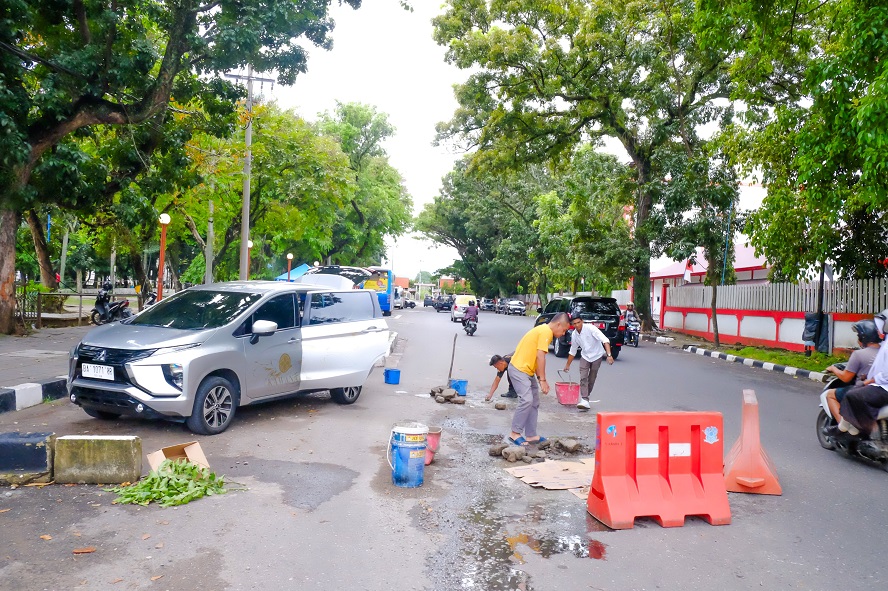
(175, 482)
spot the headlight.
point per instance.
(165, 350)
(174, 373)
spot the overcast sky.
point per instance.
(385, 57)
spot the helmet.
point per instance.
(107, 286)
(866, 332)
(471, 302)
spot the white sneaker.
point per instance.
(848, 427)
(583, 404)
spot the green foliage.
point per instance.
(816, 362)
(175, 482)
(814, 76)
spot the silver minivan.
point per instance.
(209, 349)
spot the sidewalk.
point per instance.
(33, 367)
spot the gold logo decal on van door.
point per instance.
(284, 363)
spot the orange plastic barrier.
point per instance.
(748, 468)
(665, 465)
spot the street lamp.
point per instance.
(289, 264)
(164, 221)
(249, 256)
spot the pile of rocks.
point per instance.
(515, 453)
(442, 395)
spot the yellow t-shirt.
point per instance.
(537, 339)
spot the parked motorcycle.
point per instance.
(470, 326)
(150, 299)
(633, 333)
(872, 447)
(107, 311)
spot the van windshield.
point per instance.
(197, 310)
(581, 307)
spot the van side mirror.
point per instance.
(262, 328)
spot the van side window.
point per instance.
(279, 309)
(345, 306)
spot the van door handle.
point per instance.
(293, 340)
(371, 329)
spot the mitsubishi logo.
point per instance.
(101, 355)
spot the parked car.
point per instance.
(501, 306)
(487, 304)
(202, 353)
(516, 307)
(428, 301)
(443, 304)
(398, 301)
(460, 303)
(603, 313)
(408, 302)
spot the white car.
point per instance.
(209, 349)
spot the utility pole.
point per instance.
(248, 160)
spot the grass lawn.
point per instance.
(816, 362)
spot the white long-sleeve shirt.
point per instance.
(879, 370)
(591, 342)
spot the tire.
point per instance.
(214, 406)
(96, 318)
(616, 352)
(346, 395)
(561, 350)
(635, 339)
(101, 414)
(824, 421)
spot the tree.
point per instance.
(380, 205)
(812, 74)
(550, 76)
(69, 67)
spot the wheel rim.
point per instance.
(217, 407)
(351, 392)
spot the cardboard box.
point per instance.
(190, 451)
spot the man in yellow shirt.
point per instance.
(528, 366)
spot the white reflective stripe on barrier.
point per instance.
(652, 450)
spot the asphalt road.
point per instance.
(319, 510)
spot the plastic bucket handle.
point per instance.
(569, 379)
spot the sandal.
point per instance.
(537, 441)
(518, 441)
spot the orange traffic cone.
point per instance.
(748, 468)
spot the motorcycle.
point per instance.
(470, 326)
(106, 311)
(873, 447)
(150, 299)
(633, 333)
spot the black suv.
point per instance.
(443, 304)
(603, 313)
(487, 304)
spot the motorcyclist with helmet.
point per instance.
(103, 299)
(855, 371)
(861, 405)
(471, 312)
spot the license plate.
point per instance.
(99, 372)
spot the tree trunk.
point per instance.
(641, 281)
(47, 277)
(9, 223)
(64, 256)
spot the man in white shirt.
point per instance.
(860, 412)
(593, 346)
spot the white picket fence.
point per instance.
(858, 296)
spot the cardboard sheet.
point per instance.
(557, 474)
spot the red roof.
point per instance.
(744, 260)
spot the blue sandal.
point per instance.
(518, 441)
(537, 441)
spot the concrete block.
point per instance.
(54, 388)
(97, 459)
(28, 395)
(26, 457)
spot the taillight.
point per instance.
(455, 307)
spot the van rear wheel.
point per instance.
(214, 406)
(346, 395)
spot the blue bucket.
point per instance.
(460, 386)
(406, 454)
(392, 376)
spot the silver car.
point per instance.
(205, 351)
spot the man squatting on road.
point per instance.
(528, 362)
(592, 344)
(501, 364)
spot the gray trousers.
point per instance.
(525, 419)
(588, 375)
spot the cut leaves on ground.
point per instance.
(175, 482)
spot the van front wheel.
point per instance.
(214, 406)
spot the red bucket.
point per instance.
(568, 393)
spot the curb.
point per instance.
(32, 394)
(815, 376)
